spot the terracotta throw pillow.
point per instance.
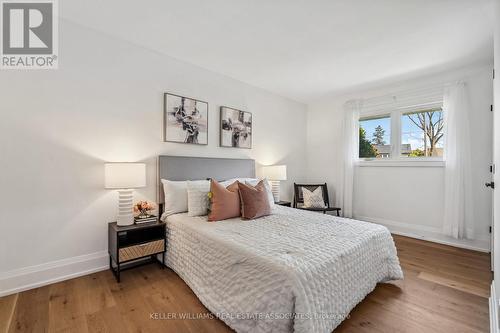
(224, 201)
(254, 200)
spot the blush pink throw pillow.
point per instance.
(225, 201)
(254, 200)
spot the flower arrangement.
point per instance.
(144, 208)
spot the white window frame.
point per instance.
(396, 159)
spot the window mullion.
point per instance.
(396, 134)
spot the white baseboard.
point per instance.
(493, 310)
(18, 280)
(428, 233)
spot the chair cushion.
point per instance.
(254, 200)
(313, 199)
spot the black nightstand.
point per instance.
(135, 245)
(284, 203)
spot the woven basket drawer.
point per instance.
(141, 250)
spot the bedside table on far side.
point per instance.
(284, 203)
(135, 245)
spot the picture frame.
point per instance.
(236, 128)
(185, 120)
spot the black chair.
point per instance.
(298, 198)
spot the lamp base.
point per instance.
(275, 189)
(125, 208)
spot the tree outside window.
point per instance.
(424, 132)
(365, 147)
(378, 136)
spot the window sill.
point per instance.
(433, 163)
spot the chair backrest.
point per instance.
(298, 197)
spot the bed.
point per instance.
(292, 271)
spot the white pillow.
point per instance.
(313, 199)
(197, 192)
(228, 182)
(270, 197)
(176, 198)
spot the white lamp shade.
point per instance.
(124, 175)
(274, 172)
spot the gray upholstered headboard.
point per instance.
(195, 168)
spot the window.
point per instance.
(375, 137)
(404, 134)
(422, 133)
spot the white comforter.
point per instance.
(292, 271)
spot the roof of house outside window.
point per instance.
(386, 149)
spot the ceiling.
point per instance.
(298, 48)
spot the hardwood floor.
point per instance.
(445, 290)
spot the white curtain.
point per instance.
(458, 200)
(351, 147)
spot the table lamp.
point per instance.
(275, 173)
(124, 177)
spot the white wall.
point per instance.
(409, 200)
(105, 103)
